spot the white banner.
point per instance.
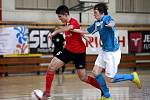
(94, 41)
(38, 41)
(13, 40)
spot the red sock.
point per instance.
(49, 80)
(92, 81)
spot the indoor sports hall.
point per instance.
(26, 49)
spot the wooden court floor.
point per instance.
(69, 87)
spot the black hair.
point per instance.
(102, 8)
(63, 9)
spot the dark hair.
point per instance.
(102, 8)
(62, 10)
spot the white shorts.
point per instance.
(109, 61)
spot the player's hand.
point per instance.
(108, 25)
(111, 24)
(49, 36)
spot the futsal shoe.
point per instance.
(37, 94)
(45, 97)
(136, 80)
(104, 98)
(40, 95)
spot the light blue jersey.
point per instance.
(108, 36)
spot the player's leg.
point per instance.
(83, 76)
(112, 60)
(63, 68)
(58, 61)
(79, 60)
(112, 63)
(57, 71)
(54, 53)
(55, 64)
(97, 71)
(92, 81)
(126, 77)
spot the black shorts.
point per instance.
(77, 58)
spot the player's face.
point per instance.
(98, 15)
(62, 18)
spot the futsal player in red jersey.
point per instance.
(74, 50)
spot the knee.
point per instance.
(95, 73)
(108, 79)
(51, 67)
(83, 78)
(91, 75)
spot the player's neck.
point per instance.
(68, 19)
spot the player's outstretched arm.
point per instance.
(80, 31)
(60, 30)
(64, 29)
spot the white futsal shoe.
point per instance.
(40, 95)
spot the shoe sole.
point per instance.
(38, 98)
(103, 98)
(137, 80)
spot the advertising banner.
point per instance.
(95, 44)
(139, 41)
(13, 40)
(38, 41)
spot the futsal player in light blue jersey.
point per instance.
(110, 55)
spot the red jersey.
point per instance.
(74, 42)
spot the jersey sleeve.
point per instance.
(107, 19)
(91, 29)
(75, 24)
